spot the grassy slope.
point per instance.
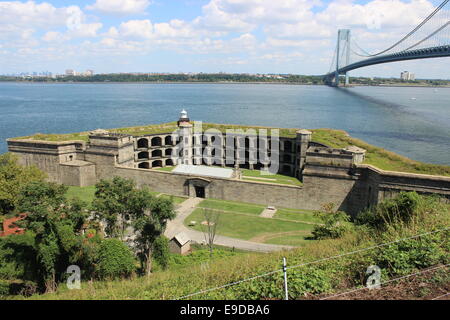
(339, 274)
(376, 156)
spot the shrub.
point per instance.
(115, 260)
(4, 288)
(335, 224)
(161, 252)
(399, 209)
(407, 256)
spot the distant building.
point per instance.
(70, 72)
(407, 76)
(89, 73)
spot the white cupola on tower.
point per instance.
(184, 119)
(184, 115)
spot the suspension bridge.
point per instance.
(429, 39)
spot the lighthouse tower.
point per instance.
(185, 131)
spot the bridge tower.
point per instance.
(342, 54)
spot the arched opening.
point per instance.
(169, 162)
(157, 154)
(142, 155)
(142, 143)
(144, 165)
(287, 146)
(287, 158)
(156, 142)
(168, 152)
(157, 164)
(287, 170)
(168, 141)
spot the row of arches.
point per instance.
(154, 154)
(156, 164)
(144, 143)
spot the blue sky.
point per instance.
(255, 36)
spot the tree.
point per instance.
(56, 225)
(149, 221)
(120, 204)
(115, 259)
(13, 178)
(113, 204)
(210, 228)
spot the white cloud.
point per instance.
(120, 6)
(136, 29)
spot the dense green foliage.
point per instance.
(56, 225)
(322, 267)
(13, 177)
(161, 253)
(114, 204)
(115, 260)
(62, 230)
(398, 210)
(334, 224)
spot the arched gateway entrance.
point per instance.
(198, 187)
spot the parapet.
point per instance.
(333, 157)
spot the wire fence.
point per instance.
(284, 269)
(443, 296)
(386, 282)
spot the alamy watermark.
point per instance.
(74, 280)
(234, 147)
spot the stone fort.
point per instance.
(328, 175)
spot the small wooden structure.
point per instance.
(180, 244)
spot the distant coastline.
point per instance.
(221, 78)
(419, 85)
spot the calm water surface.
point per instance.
(414, 122)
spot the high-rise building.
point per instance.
(70, 72)
(407, 76)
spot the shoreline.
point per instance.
(223, 82)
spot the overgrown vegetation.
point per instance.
(378, 157)
(60, 231)
(406, 253)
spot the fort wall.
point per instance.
(329, 175)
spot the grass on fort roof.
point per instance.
(151, 129)
(376, 156)
(257, 176)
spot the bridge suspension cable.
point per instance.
(428, 18)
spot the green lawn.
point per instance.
(166, 169)
(255, 175)
(83, 193)
(297, 215)
(176, 200)
(87, 194)
(254, 228)
(232, 206)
